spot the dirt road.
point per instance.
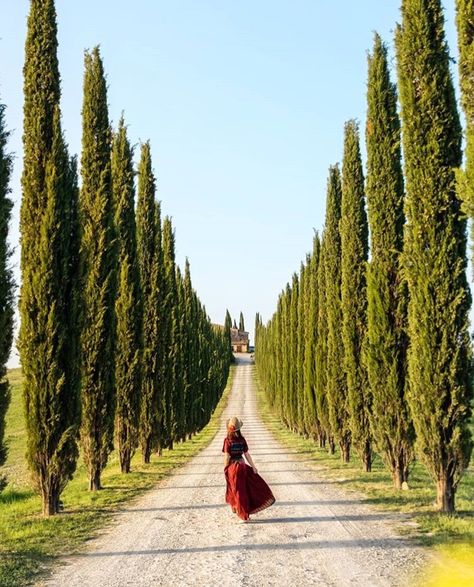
(182, 533)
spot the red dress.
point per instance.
(246, 492)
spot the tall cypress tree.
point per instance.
(354, 253)
(150, 261)
(386, 345)
(336, 377)
(99, 265)
(321, 352)
(227, 327)
(292, 397)
(241, 323)
(48, 340)
(169, 335)
(300, 348)
(465, 26)
(312, 422)
(180, 359)
(439, 355)
(128, 305)
(191, 353)
(6, 284)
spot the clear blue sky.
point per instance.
(244, 104)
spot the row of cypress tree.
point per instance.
(374, 353)
(6, 285)
(116, 347)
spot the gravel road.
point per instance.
(182, 533)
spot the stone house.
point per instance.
(239, 340)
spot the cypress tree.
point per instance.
(227, 327)
(227, 321)
(321, 352)
(169, 335)
(190, 351)
(292, 398)
(241, 323)
(179, 359)
(99, 264)
(300, 348)
(439, 355)
(6, 285)
(312, 422)
(354, 253)
(286, 335)
(150, 261)
(465, 26)
(128, 305)
(48, 340)
(386, 343)
(336, 377)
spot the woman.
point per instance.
(246, 493)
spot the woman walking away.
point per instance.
(246, 493)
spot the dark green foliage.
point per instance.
(321, 352)
(98, 273)
(286, 352)
(180, 358)
(336, 378)
(169, 336)
(312, 424)
(354, 253)
(227, 327)
(465, 25)
(128, 305)
(300, 346)
(439, 356)
(293, 366)
(151, 278)
(190, 347)
(241, 323)
(6, 285)
(386, 344)
(227, 321)
(48, 340)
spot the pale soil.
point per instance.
(182, 533)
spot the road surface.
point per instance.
(182, 533)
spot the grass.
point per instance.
(451, 538)
(29, 543)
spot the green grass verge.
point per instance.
(29, 543)
(451, 537)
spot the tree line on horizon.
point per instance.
(116, 348)
(372, 351)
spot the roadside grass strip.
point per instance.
(30, 543)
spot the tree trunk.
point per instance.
(332, 445)
(445, 494)
(322, 440)
(94, 480)
(125, 458)
(345, 447)
(397, 476)
(146, 451)
(367, 457)
(50, 503)
(400, 472)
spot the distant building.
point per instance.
(239, 340)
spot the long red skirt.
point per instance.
(247, 493)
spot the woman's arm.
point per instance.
(226, 459)
(249, 460)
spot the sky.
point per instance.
(244, 104)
